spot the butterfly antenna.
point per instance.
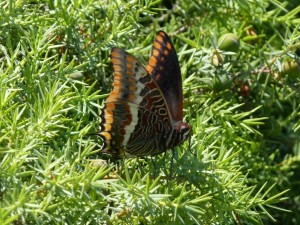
(194, 113)
(92, 133)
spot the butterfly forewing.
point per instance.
(164, 68)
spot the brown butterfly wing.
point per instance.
(135, 118)
(164, 68)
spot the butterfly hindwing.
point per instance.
(135, 111)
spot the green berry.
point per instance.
(291, 68)
(229, 42)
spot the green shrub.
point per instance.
(240, 165)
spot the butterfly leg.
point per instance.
(154, 166)
(119, 165)
(172, 162)
(142, 162)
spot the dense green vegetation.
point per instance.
(241, 165)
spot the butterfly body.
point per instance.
(143, 113)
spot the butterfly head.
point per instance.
(184, 129)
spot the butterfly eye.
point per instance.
(183, 128)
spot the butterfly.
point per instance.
(143, 113)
